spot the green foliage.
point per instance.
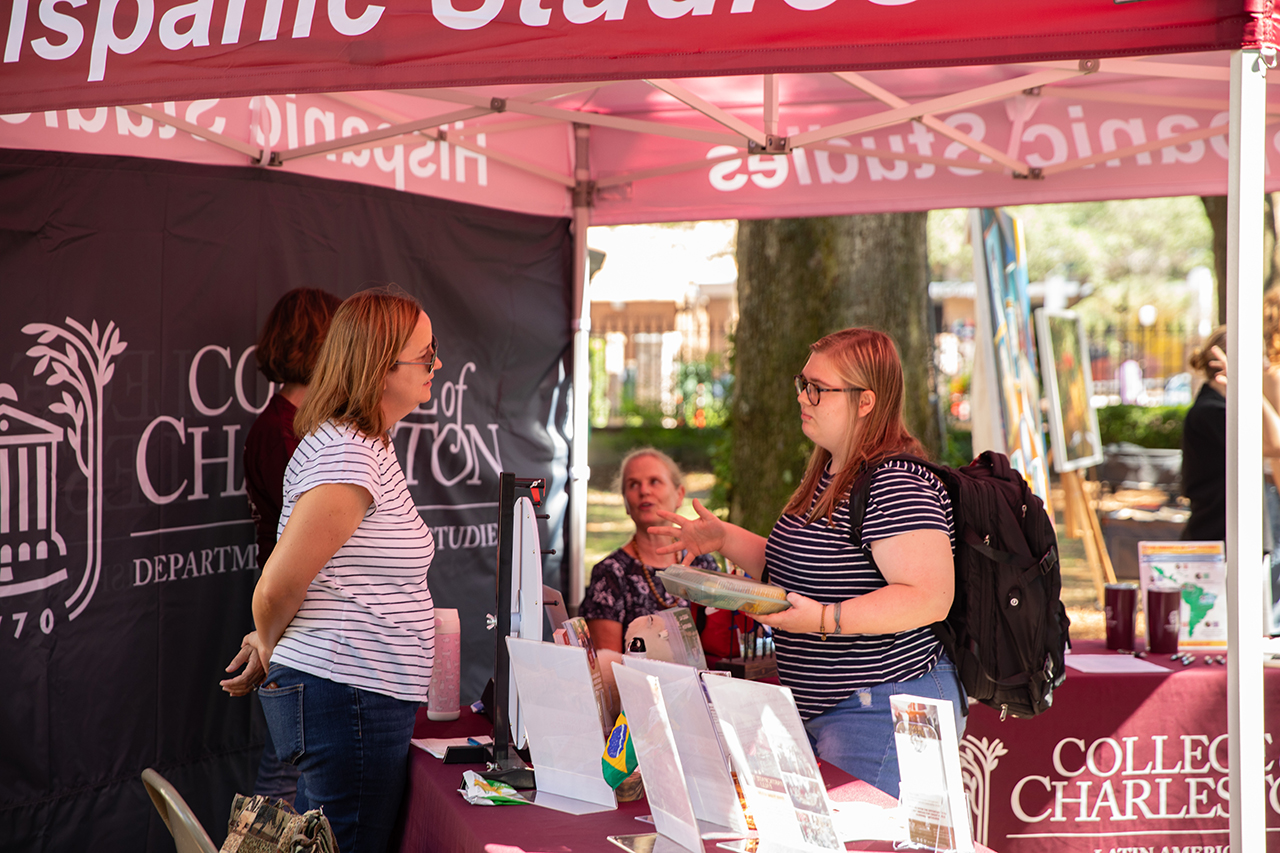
(959, 449)
(598, 410)
(691, 448)
(701, 396)
(1137, 243)
(1146, 426)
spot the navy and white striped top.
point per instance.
(819, 561)
(367, 620)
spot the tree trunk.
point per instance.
(1215, 207)
(800, 279)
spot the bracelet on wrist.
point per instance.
(822, 622)
(836, 629)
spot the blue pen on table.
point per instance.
(474, 742)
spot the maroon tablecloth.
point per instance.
(436, 819)
(1135, 761)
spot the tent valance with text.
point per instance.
(105, 52)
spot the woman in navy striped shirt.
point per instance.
(858, 630)
(343, 614)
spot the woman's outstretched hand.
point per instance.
(695, 536)
(802, 618)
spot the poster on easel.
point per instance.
(1068, 386)
(1006, 416)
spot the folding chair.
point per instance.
(187, 832)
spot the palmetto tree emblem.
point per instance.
(978, 758)
(81, 359)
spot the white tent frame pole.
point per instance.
(253, 152)
(364, 140)
(579, 470)
(708, 109)
(946, 103)
(933, 122)
(1245, 181)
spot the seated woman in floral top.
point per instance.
(624, 585)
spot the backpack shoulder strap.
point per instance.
(860, 492)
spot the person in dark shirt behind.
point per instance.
(1204, 445)
(287, 350)
(1204, 442)
(286, 354)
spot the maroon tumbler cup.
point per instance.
(1121, 600)
(1164, 618)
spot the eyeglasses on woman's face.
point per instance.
(813, 393)
(430, 361)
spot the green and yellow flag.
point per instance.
(619, 758)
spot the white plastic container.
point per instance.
(443, 694)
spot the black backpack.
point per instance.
(1007, 629)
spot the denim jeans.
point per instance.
(275, 778)
(856, 734)
(352, 747)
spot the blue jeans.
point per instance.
(352, 747)
(275, 778)
(856, 734)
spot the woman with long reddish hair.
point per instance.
(858, 629)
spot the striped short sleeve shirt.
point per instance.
(819, 561)
(367, 620)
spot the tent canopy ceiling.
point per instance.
(720, 147)
(69, 54)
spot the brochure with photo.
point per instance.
(579, 636)
(931, 792)
(702, 758)
(776, 768)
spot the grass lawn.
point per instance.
(609, 527)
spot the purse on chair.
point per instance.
(261, 824)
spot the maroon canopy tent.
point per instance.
(644, 110)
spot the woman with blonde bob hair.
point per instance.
(344, 620)
(858, 629)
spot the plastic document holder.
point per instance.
(724, 591)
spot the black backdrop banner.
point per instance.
(131, 294)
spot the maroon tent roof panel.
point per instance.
(58, 55)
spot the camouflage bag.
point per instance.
(262, 825)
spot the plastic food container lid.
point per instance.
(724, 591)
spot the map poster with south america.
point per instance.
(1200, 570)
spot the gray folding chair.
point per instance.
(177, 815)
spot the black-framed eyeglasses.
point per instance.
(813, 392)
(431, 356)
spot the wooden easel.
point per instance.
(1080, 518)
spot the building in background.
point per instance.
(663, 310)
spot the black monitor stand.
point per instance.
(507, 766)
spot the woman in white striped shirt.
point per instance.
(343, 614)
(858, 630)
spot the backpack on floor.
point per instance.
(1007, 628)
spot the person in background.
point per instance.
(857, 632)
(1204, 441)
(287, 349)
(344, 621)
(623, 585)
(286, 353)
